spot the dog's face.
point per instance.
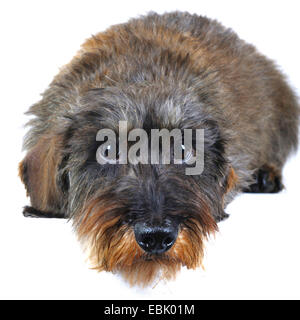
(141, 220)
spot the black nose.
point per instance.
(155, 239)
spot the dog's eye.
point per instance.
(106, 154)
(186, 154)
(106, 150)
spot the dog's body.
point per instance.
(171, 71)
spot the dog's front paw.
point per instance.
(267, 181)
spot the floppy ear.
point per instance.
(227, 185)
(39, 171)
(231, 180)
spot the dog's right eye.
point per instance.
(107, 154)
(106, 151)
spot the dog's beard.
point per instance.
(111, 244)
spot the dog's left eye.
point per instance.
(186, 155)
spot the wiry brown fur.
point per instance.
(160, 71)
(112, 246)
(38, 171)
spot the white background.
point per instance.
(256, 253)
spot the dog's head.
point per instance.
(140, 219)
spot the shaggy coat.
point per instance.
(159, 71)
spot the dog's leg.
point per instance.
(267, 180)
(34, 213)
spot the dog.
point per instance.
(170, 71)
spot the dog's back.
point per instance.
(256, 110)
